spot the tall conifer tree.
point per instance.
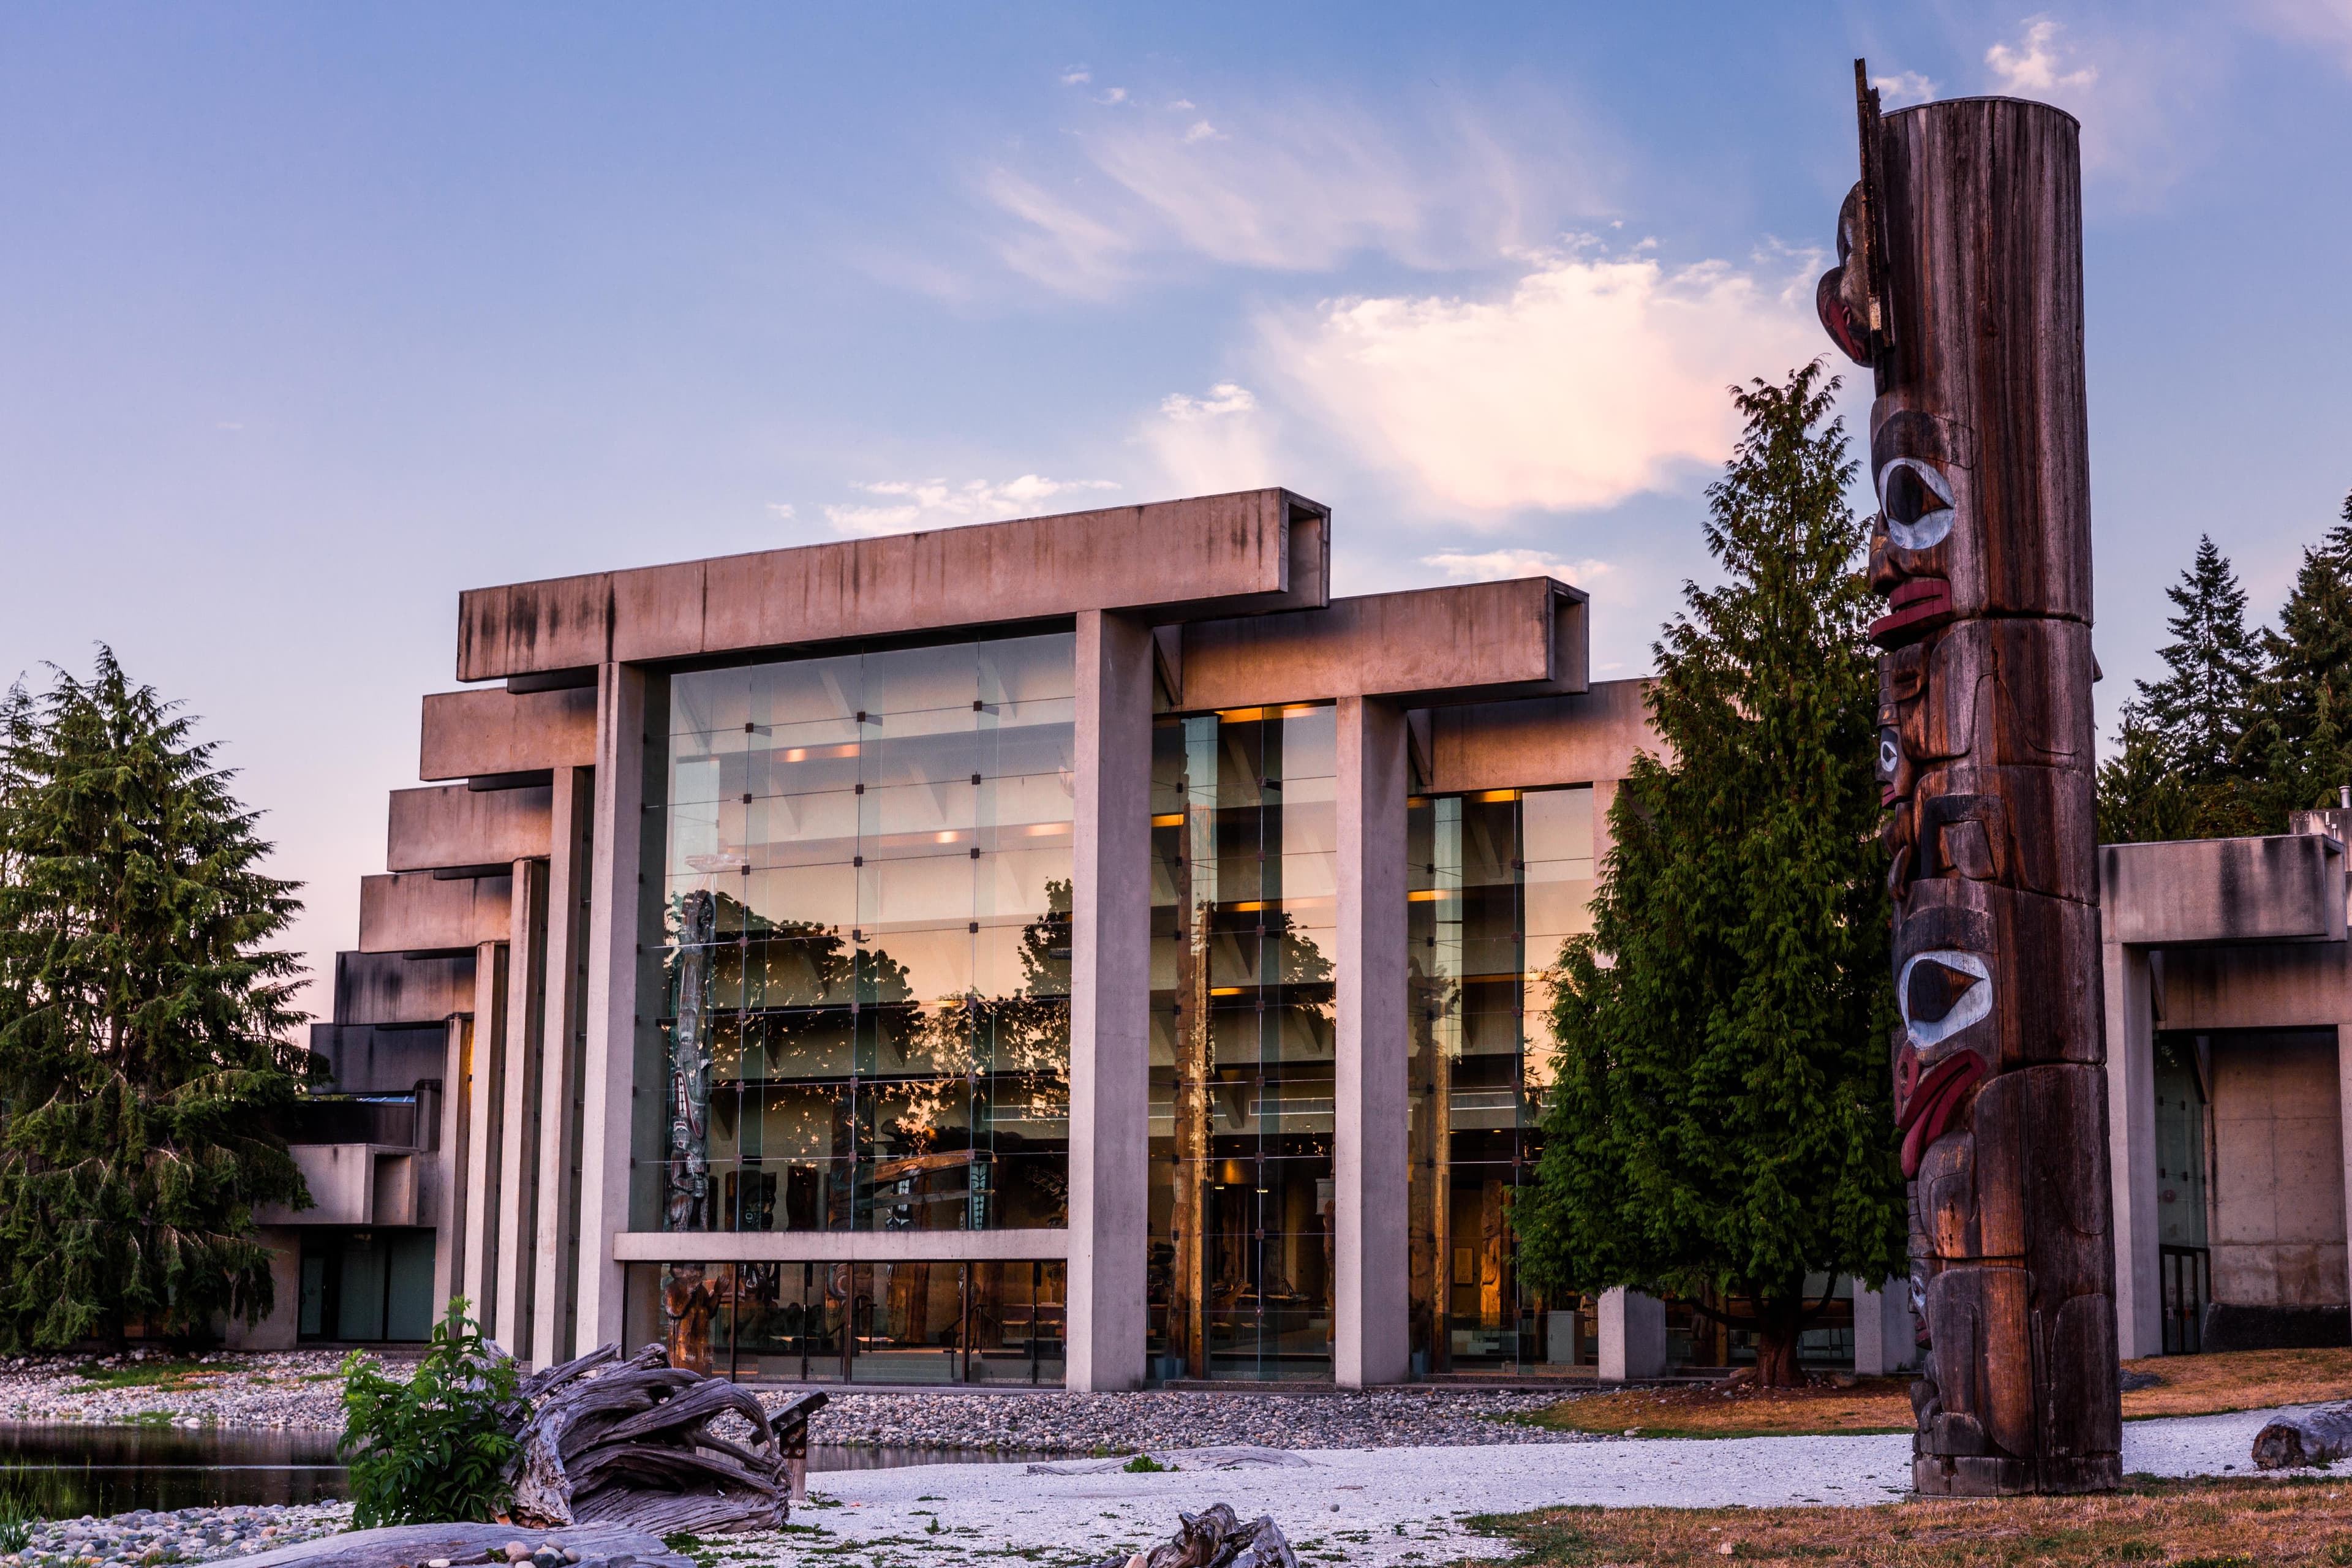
(144, 1023)
(1721, 1123)
(2303, 728)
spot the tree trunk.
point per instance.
(1778, 1325)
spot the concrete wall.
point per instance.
(390, 988)
(2288, 985)
(351, 1183)
(367, 1059)
(1255, 549)
(277, 1331)
(1577, 738)
(479, 735)
(2278, 1235)
(2289, 887)
(449, 825)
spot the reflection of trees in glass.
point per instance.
(798, 977)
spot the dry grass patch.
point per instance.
(2187, 1385)
(2166, 1524)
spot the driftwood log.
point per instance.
(397, 1545)
(1960, 285)
(1216, 1538)
(629, 1444)
(2305, 1438)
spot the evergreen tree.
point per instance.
(144, 1023)
(1722, 1125)
(2303, 730)
(2199, 710)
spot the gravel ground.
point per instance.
(304, 1389)
(276, 1390)
(1369, 1507)
(191, 1535)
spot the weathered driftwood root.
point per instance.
(2305, 1438)
(1216, 1538)
(629, 1444)
(405, 1545)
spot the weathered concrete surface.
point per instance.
(2128, 975)
(1524, 636)
(411, 1544)
(369, 1059)
(1632, 1335)
(2289, 887)
(2278, 1221)
(389, 988)
(1576, 738)
(282, 1328)
(477, 734)
(449, 825)
(1251, 550)
(617, 913)
(413, 911)
(351, 1183)
(562, 1038)
(2292, 986)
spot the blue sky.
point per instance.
(312, 316)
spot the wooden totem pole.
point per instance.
(1960, 285)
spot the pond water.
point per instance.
(68, 1468)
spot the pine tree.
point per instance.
(144, 1023)
(2198, 710)
(1722, 1124)
(2303, 730)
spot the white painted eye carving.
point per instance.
(1916, 503)
(1889, 755)
(1942, 992)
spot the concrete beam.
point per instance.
(348, 1186)
(2131, 1150)
(1475, 641)
(1578, 738)
(390, 988)
(608, 1072)
(449, 825)
(369, 1058)
(842, 1247)
(1229, 555)
(480, 734)
(2287, 888)
(1110, 1021)
(1372, 1293)
(415, 913)
(2290, 985)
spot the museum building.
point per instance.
(1074, 950)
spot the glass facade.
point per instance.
(858, 1322)
(1244, 910)
(1495, 882)
(864, 942)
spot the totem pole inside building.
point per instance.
(1961, 284)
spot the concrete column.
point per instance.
(2344, 1098)
(563, 1040)
(2131, 1150)
(1110, 1022)
(608, 1066)
(1633, 1336)
(516, 1274)
(1370, 1295)
(455, 1161)
(1884, 1338)
(485, 1120)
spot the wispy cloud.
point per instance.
(900, 505)
(2033, 64)
(1076, 76)
(1903, 88)
(1290, 185)
(2327, 23)
(1225, 398)
(782, 509)
(1203, 446)
(1594, 378)
(1489, 565)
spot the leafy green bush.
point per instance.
(435, 1448)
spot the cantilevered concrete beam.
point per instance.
(485, 734)
(390, 988)
(1574, 739)
(1475, 642)
(446, 826)
(417, 912)
(1230, 554)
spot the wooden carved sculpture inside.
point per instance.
(1960, 284)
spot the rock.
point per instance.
(2304, 1437)
(517, 1552)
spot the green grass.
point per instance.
(149, 1374)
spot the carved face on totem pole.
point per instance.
(1980, 550)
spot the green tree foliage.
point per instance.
(144, 1022)
(435, 1448)
(1722, 1119)
(2301, 734)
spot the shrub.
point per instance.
(17, 1521)
(433, 1448)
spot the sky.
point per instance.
(312, 316)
